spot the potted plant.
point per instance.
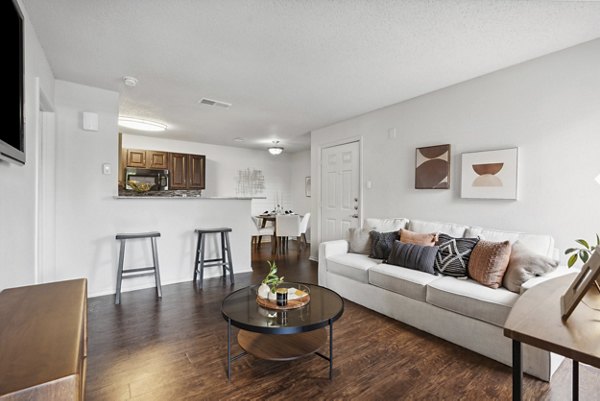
(582, 252)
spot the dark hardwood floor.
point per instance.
(175, 349)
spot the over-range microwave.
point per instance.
(159, 179)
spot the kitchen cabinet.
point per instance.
(187, 171)
(147, 159)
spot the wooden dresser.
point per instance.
(43, 341)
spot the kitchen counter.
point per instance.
(178, 194)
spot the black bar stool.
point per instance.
(225, 259)
(121, 274)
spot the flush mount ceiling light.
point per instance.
(142, 125)
(275, 150)
(130, 81)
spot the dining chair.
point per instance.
(303, 227)
(258, 231)
(286, 226)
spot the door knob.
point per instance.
(354, 216)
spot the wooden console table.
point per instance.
(43, 341)
(535, 319)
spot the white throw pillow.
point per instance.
(525, 264)
(385, 225)
(359, 241)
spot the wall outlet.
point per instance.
(392, 133)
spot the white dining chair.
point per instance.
(286, 225)
(303, 227)
(258, 231)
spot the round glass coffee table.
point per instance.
(282, 335)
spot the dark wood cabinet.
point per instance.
(136, 158)
(187, 171)
(197, 170)
(178, 171)
(147, 159)
(156, 159)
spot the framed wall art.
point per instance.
(490, 175)
(432, 167)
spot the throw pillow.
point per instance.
(411, 237)
(453, 256)
(488, 262)
(381, 244)
(415, 257)
(525, 264)
(359, 241)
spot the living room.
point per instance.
(479, 77)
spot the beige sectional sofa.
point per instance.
(461, 311)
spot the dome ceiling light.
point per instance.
(141, 125)
(275, 150)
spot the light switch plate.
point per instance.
(106, 169)
(90, 121)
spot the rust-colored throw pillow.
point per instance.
(411, 237)
(488, 262)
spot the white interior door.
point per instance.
(340, 183)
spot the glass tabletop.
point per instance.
(241, 307)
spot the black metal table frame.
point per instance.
(517, 388)
(231, 358)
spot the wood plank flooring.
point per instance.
(175, 349)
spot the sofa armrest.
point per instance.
(559, 271)
(328, 249)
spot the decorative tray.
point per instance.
(298, 296)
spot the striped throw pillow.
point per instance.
(453, 255)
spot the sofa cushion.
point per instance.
(359, 241)
(454, 230)
(424, 239)
(523, 265)
(407, 282)
(381, 244)
(413, 256)
(384, 225)
(488, 262)
(352, 265)
(542, 244)
(472, 299)
(453, 255)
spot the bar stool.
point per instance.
(121, 274)
(225, 259)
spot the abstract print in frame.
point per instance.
(490, 175)
(432, 167)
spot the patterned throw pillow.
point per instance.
(452, 258)
(381, 244)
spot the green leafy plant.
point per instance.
(582, 252)
(272, 280)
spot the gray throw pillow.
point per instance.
(381, 244)
(523, 265)
(359, 241)
(413, 256)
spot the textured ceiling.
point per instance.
(289, 67)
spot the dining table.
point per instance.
(265, 218)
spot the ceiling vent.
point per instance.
(218, 103)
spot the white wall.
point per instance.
(88, 216)
(548, 107)
(18, 190)
(223, 164)
(299, 165)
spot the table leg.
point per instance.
(228, 349)
(330, 350)
(575, 380)
(517, 370)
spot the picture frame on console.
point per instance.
(490, 175)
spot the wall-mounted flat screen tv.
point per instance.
(12, 136)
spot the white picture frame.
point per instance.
(490, 175)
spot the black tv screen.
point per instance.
(12, 137)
